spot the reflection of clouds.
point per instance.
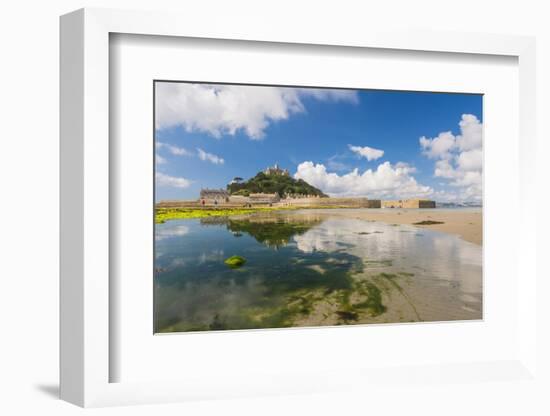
(338, 234)
(177, 262)
(458, 261)
(162, 233)
(212, 255)
(443, 256)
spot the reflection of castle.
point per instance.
(276, 170)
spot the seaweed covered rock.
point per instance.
(235, 261)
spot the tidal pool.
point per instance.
(309, 268)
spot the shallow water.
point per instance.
(310, 268)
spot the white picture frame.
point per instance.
(85, 211)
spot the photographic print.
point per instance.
(279, 207)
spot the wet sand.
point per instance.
(464, 223)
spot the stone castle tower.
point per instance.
(276, 170)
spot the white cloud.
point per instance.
(443, 169)
(459, 159)
(405, 167)
(367, 152)
(227, 109)
(171, 181)
(386, 181)
(175, 150)
(439, 147)
(471, 130)
(327, 94)
(470, 160)
(159, 160)
(209, 157)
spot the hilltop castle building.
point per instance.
(276, 170)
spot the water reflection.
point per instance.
(308, 269)
(273, 231)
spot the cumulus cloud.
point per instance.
(387, 181)
(226, 109)
(209, 157)
(171, 181)
(470, 160)
(439, 147)
(367, 152)
(459, 159)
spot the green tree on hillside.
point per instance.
(280, 184)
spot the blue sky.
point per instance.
(378, 144)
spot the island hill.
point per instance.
(274, 187)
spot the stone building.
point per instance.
(213, 196)
(264, 198)
(408, 203)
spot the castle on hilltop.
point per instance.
(276, 170)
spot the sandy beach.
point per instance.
(464, 223)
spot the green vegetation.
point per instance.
(428, 222)
(373, 299)
(235, 261)
(347, 316)
(390, 277)
(368, 300)
(164, 214)
(280, 184)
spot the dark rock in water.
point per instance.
(428, 222)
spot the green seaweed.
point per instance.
(164, 214)
(390, 277)
(235, 261)
(373, 299)
(347, 316)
